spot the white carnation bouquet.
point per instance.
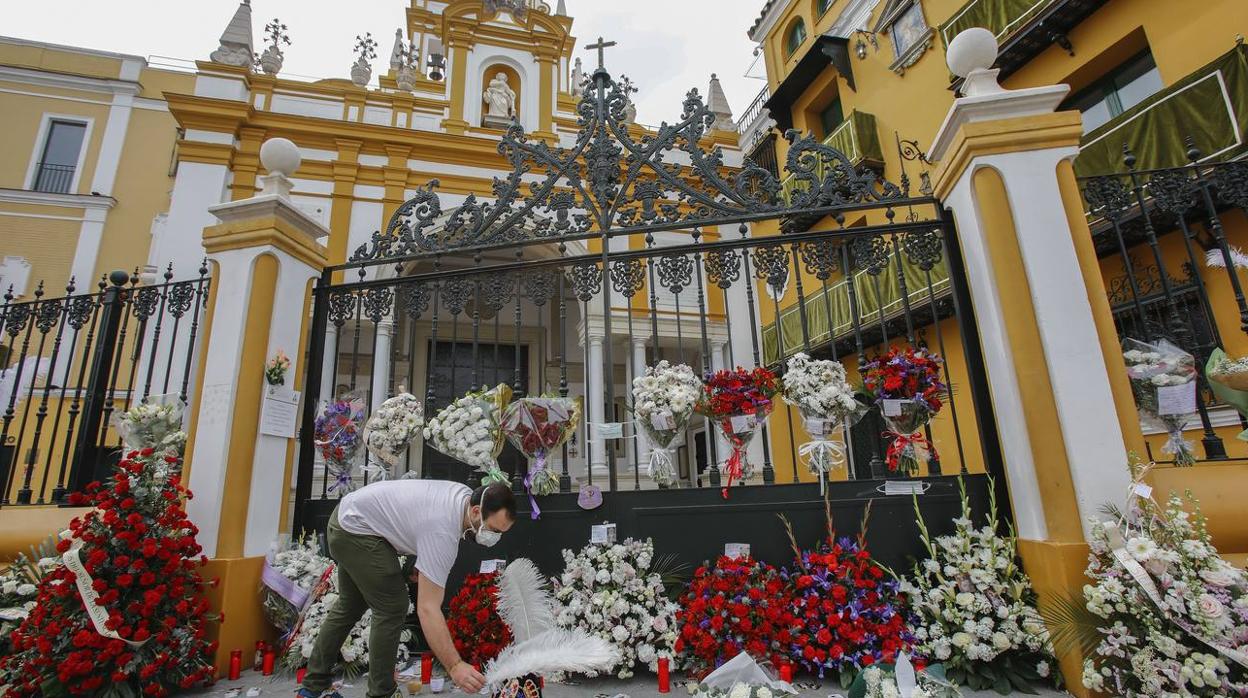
(822, 394)
(468, 430)
(663, 402)
(19, 587)
(977, 607)
(392, 427)
(1170, 614)
(880, 682)
(289, 576)
(156, 422)
(1163, 381)
(614, 592)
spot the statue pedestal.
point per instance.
(499, 122)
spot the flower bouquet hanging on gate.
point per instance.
(1228, 379)
(1163, 381)
(739, 402)
(537, 426)
(468, 431)
(338, 435)
(820, 392)
(391, 429)
(906, 385)
(663, 402)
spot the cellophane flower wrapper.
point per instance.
(537, 426)
(739, 401)
(469, 431)
(292, 571)
(906, 384)
(1225, 378)
(1155, 370)
(664, 400)
(392, 427)
(828, 404)
(156, 422)
(338, 435)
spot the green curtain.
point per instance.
(1001, 17)
(869, 302)
(1155, 129)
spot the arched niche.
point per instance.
(514, 81)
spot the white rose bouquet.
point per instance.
(663, 401)
(614, 592)
(882, 682)
(156, 422)
(288, 579)
(1172, 614)
(820, 392)
(468, 430)
(1163, 380)
(977, 607)
(392, 427)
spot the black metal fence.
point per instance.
(1175, 265)
(72, 362)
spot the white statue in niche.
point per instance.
(500, 98)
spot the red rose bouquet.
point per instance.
(124, 615)
(477, 629)
(849, 612)
(739, 605)
(906, 384)
(739, 402)
(537, 426)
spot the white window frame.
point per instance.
(41, 141)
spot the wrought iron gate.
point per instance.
(598, 259)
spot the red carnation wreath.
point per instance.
(477, 629)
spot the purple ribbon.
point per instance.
(538, 465)
(283, 587)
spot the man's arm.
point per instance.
(429, 598)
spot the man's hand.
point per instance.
(467, 678)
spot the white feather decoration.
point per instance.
(556, 650)
(524, 601)
(1214, 258)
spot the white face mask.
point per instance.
(487, 537)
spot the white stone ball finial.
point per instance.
(972, 49)
(280, 156)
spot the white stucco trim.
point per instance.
(65, 81)
(87, 249)
(43, 198)
(41, 137)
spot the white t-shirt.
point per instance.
(424, 518)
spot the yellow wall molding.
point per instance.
(276, 229)
(1021, 134)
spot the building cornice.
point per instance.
(70, 49)
(767, 19)
(69, 81)
(43, 198)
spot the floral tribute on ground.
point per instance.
(133, 558)
(820, 392)
(663, 402)
(19, 585)
(614, 592)
(977, 609)
(337, 435)
(537, 426)
(739, 402)
(1163, 382)
(1171, 614)
(468, 431)
(906, 384)
(288, 579)
(736, 605)
(476, 628)
(848, 612)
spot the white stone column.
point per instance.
(638, 368)
(595, 392)
(381, 361)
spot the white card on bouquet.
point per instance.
(663, 421)
(736, 551)
(1176, 399)
(892, 408)
(741, 422)
(492, 566)
(602, 534)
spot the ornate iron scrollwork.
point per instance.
(628, 276)
(181, 298)
(145, 302)
(341, 307)
(496, 291)
(1231, 181)
(771, 264)
(377, 302)
(15, 319)
(49, 314)
(455, 294)
(607, 178)
(80, 310)
(586, 280)
(1173, 190)
(924, 247)
(723, 268)
(675, 272)
(415, 297)
(870, 254)
(1107, 196)
(820, 257)
(539, 286)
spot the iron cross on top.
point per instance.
(600, 46)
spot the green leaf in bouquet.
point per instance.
(1001, 685)
(857, 686)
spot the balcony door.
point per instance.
(54, 173)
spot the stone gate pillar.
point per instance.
(1058, 383)
(264, 255)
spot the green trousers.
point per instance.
(369, 577)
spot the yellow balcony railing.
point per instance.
(1210, 106)
(856, 137)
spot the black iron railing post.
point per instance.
(317, 336)
(87, 445)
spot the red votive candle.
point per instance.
(665, 678)
(269, 659)
(426, 668)
(236, 664)
(257, 663)
(786, 673)
(303, 671)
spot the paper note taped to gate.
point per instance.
(663, 421)
(279, 412)
(1176, 399)
(892, 408)
(492, 566)
(611, 430)
(602, 534)
(736, 551)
